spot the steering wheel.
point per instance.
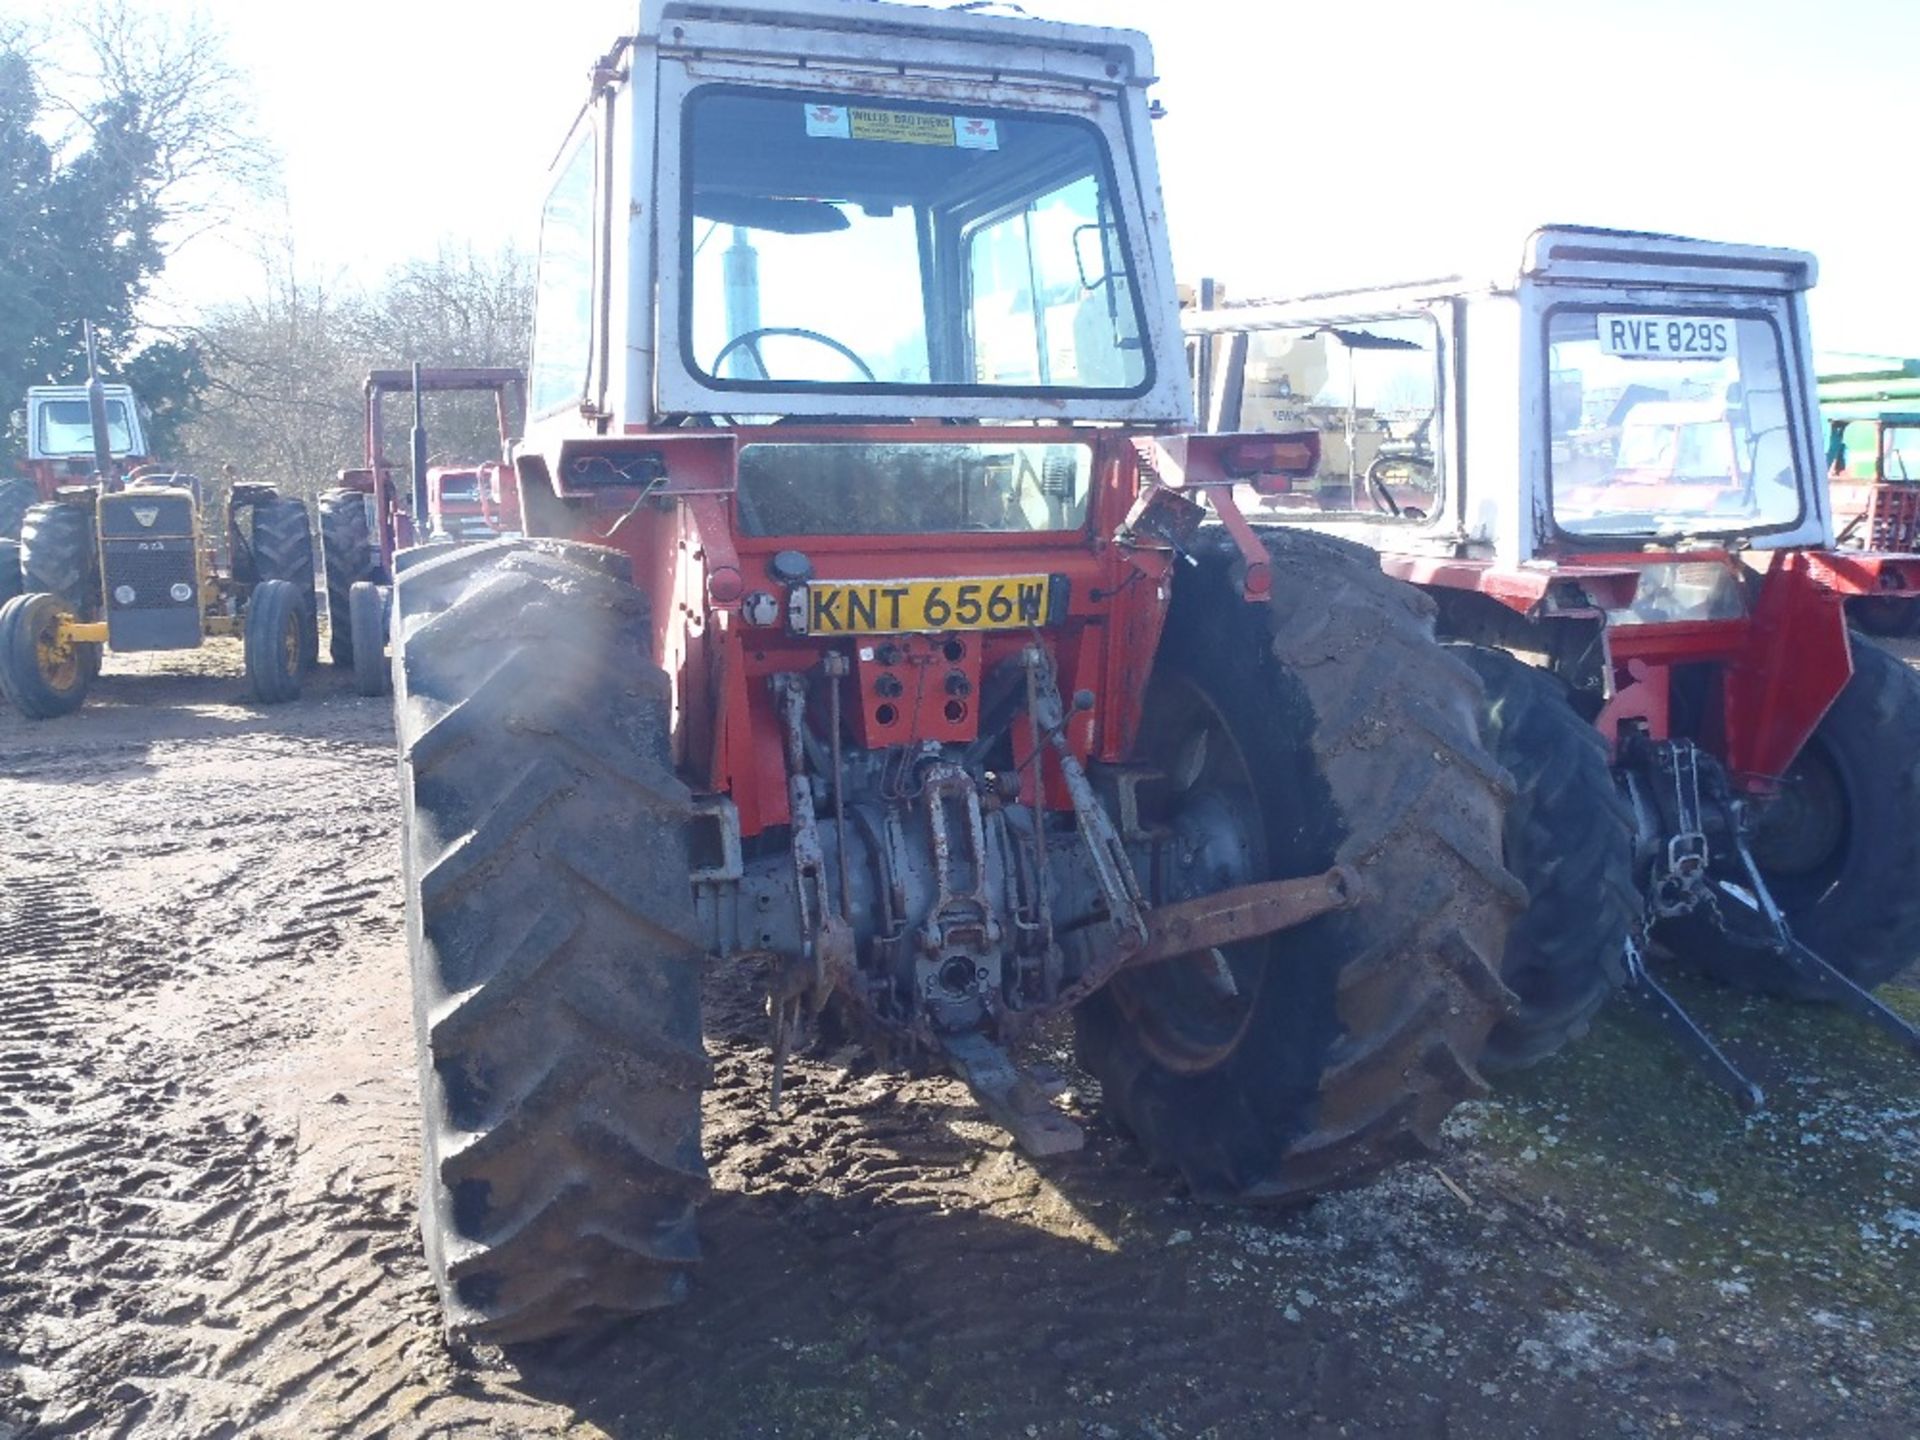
(1377, 484)
(750, 341)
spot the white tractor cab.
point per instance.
(60, 451)
(1006, 243)
(1623, 390)
(1608, 463)
(59, 428)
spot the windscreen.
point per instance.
(1667, 424)
(66, 428)
(846, 246)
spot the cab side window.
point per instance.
(1371, 388)
(563, 288)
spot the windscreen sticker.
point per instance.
(902, 127)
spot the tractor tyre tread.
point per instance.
(367, 621)
(1366, 733)
(347, 549)
(22, 620)
(59, 555)
(554, 946)
(17, 496)
(10, 580)
(1569, 840)
(283, 550)
(271, 679)
(1865, 920)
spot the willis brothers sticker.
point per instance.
(902, 127)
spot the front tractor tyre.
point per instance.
(40, 673)
(1569, 839)
(1325, 727)
(274, 641)
(1839, 846)
(348, 551)
(555, 950)
(283, 550)
(367, 616)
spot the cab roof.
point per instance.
(845, 30)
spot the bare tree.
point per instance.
(169, 82)
(287, 365)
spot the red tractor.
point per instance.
(1625, 526)
(472, 502)
(366, 517)
(879, 633)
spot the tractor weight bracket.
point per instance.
(1247, 912)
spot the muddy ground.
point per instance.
(207, 1172)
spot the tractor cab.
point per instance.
(61, 455)
(1625, 392)
(60, 431)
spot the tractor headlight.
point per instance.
(182, 592)
(123, 594)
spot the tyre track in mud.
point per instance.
(163, 1256)
(208, 1166)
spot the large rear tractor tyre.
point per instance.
(9, 570)
(1569, 840)
(554, 945)
(1840, 846)
(16, 496)
(1334, 719)
(275, 642)
(283, 550)
(367, 612)
(59, 556)
(346, 545)
(41, 678)
(1889, 616)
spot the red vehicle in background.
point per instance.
(472, 502)
(370, 512)
(1628, 534)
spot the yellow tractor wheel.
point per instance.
(44, 670)
(275, 641)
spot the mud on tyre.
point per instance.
(1361, 1029)
(553, 940)
(1569, 839)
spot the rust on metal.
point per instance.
(1244, 913)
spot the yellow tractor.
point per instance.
(123, 563)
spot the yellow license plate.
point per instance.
(902, 607)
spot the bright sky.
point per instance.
(1306, 144)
